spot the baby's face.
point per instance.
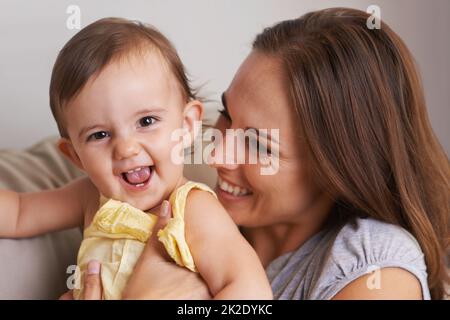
(120, 128)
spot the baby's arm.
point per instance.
(29, 214)
(225, 260)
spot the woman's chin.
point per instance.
(236, 206)
(235, 216)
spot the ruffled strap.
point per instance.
(173, 236)
(119, 220)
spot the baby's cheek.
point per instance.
(100, 173)
(169, 162)
(165, 153)
(164, 149)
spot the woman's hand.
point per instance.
(155, 275)
(92, 283)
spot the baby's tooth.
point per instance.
(236, 191)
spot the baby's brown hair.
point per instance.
(98, 44)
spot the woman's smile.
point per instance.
(231, 191)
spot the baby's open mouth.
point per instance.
(138, 177)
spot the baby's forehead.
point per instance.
(138, 81)
(149, 58)
(142, 70)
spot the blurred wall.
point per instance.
(212, 37)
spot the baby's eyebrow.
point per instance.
(150, 110)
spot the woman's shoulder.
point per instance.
(364, 246)
(376, 236)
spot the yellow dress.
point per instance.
(118, 234)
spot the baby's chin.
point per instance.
(147, 205)
(143, 202)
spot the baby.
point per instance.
(118, 92)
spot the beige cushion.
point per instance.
(35, 268)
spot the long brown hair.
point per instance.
(361, 106)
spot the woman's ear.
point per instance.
(66, 147)
(192, 114)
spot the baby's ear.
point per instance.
(192, 114)
(66, 147)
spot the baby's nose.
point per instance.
(126, 149)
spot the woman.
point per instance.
(362, 191)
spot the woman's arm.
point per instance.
(225, 260)
(394, 284)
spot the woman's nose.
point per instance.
(126, 148)
(223, 157)
(223, 165)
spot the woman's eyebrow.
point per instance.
(225, 111)
(224, 102)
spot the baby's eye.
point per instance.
(147, 121)
(98, 135)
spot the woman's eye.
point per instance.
(98, 135)
(264, 151)
(251, 144)
(257, 147)
(146, 121)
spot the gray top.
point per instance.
(336, 256)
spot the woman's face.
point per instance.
(257, 98)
